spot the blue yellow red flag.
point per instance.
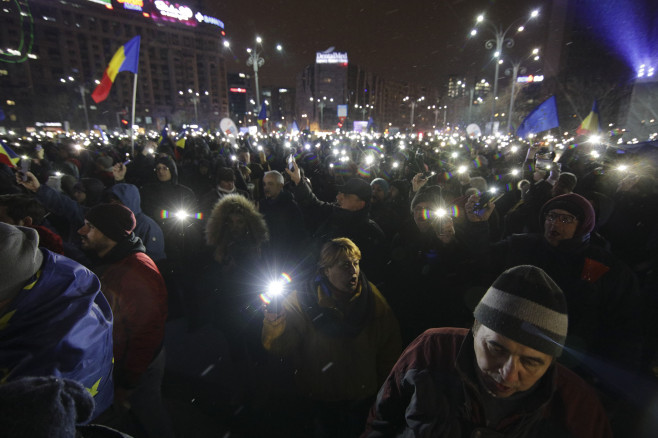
(591, 124)
(125, 59)
(7, 156)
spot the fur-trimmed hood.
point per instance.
(218, 229)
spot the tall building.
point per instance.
(456, 86)
(67, 44)
(332, 81)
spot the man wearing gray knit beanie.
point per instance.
(498, 379)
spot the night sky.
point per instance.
(417, 40)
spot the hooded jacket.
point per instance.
(60, 324)
(228, 242)
(168, 195)
(146, 229)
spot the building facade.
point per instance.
(61, 49)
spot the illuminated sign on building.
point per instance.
(106, 3)
(237, 90)
(209, 20)
(331, 58)
(134, 5)
(179, 12)
(164, 10)
(531, 78)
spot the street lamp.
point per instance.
(515, 72)
(82, 90)
(321, 104)
(413, 108)
(194, 98)
(255, 61)
(364, 109)
(500, 39)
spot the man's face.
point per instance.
(506, 366)
(93, 240)
(237, 225)
(421, 216)
(227, 185)
(344, 274)
(350, 201)
(162, 172)
(80, 196)
(538, 175)
(378, 194)
(559, 225)
(271, 186)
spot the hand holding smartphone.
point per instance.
(25, 168)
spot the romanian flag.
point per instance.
(125, 59)
(262, 116)
(7, 156)
(591, 124)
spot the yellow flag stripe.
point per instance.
(115, 63)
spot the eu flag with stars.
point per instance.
(542, 118)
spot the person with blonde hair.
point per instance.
(342, 338)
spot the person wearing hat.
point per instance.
(225, 177)
(137, 294)
(348, 217)
(166, 193)
(161, 201)
(500, 378)
(54, 320)
(430, 268)
(601, 291)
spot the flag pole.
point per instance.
(132, 119)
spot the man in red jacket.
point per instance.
(137, 294)
(499, 379)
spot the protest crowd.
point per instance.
(356, 284)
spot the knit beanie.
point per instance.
(20, 257)
(577, 206)
(116, 221)
(430, 194)
(43, 407)
(525, 305)
(381, 182)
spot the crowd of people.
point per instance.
(386, 285)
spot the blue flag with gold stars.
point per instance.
(542, 118)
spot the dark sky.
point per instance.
(413, 40)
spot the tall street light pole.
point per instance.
(82, 89)
(256, 61)
(413, 108)
(500, 39)
(515, 74)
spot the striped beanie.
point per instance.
(525, 305)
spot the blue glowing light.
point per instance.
(629, 28)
